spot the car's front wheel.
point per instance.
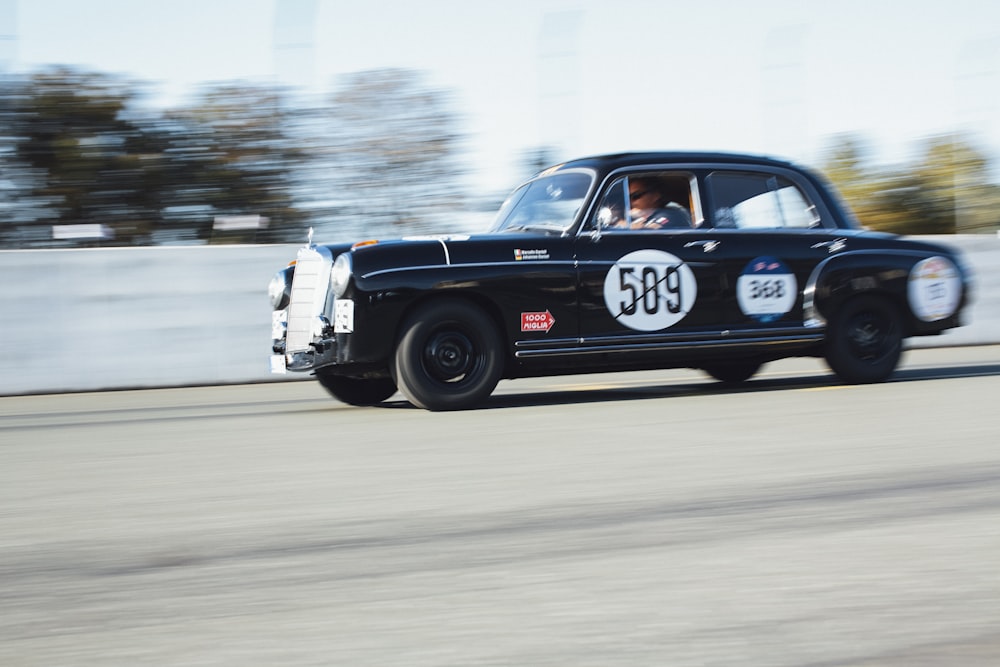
(864, 340)
(449, 356)
(356, 391)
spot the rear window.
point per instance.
(759, 201)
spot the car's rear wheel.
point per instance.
(864, 340)
(356, 391)
(449, 356)
(732, 372)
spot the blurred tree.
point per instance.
(953, 178)
(230, 160)
(845, 166)
(76, 157)
(18, 210)
(945, 190)
(393, 151)
(77, 151)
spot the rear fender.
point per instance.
(843, 276)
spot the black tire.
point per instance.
(864, 340)
(733, 372)
(356, 391)
(449, 356)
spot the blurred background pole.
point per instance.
(975, 99)
(785, 121)
(8, 35)
(295, 43)
(559, 82)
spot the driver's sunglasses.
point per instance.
(638, 194)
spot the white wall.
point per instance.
(76, 320)
(983, 319)
(135, 317)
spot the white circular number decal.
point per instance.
(649, 290)
(767, 289)
(934, 289)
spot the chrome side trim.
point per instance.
(801, 340)
(683, 337)
(474, 265)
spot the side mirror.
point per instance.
(605, 217)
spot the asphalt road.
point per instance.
(633, 519)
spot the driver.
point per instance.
(648, 209)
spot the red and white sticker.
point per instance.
(934, 289)
(537, 321)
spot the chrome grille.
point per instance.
(308, 299)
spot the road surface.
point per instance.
(626, 519)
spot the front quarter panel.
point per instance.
(525, 282)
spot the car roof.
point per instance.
(612, 161)
(605, 164)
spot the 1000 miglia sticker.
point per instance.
(766, 290)
(649, 290)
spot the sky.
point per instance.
(582, 76)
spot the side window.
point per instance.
(759, 201)
(648, 201)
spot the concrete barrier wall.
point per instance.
(982, 252)
(79, 320)
(135, 317)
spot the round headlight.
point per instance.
(279, 290)
(340, 275)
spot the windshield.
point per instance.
(548, 204)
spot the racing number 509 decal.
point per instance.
(649, 290)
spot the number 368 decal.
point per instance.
(767, 289)
(649, 290)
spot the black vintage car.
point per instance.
(637, 261)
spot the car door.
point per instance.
(772, 232)
(646, 285)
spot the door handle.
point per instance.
(836, 245)
(706, 246)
